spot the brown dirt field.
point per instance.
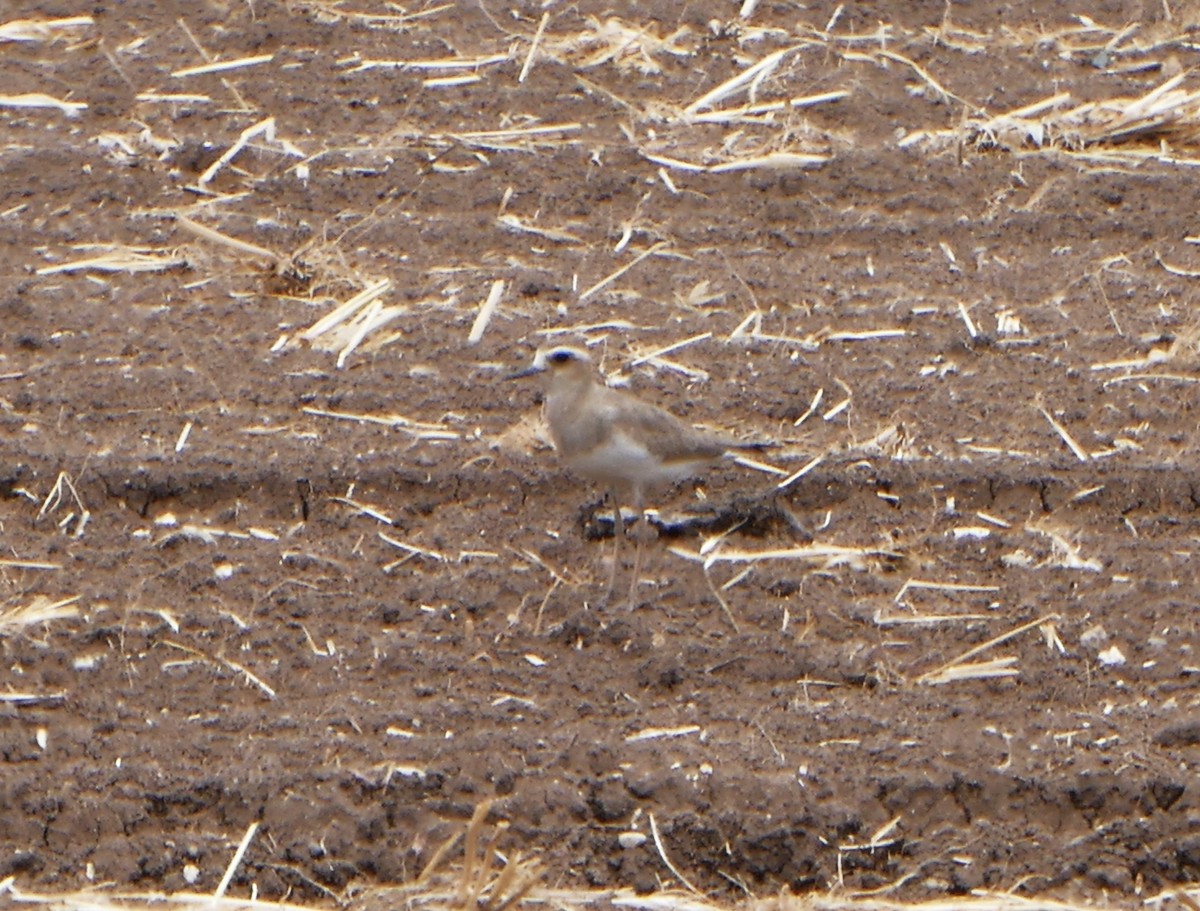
(248, 647)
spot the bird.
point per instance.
(612, 437)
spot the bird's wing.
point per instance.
(663, 434)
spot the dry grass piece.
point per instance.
(801, 472)
(517, 139)
(264, 128)
(345, 327)
(441, 64)
(484, 879)
(236, 861)
(533, 47)
(42, 29)
(826, 555)
(749, 78)
(613, 276)
(662, 852)
(40, 610)
(622, 44)
(363, 509)
(513, 223)
(941, 91)
(329, 12)
(411, 551)
(1075, 448)
(771, 161)
(420, 430)
(655, 357)
(760, 112)
(219, 662)
(63, 490)
(174, 98)
(39, 100)
(27, 564)
(960, 669)
(122, 259)
(206, 233)
(662, 733)
(762, 135)
(1065, 554)
(1166, 115)
(486, 310)
(223, 66)
(30, 699)
(920, 584)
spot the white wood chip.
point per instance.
(223, 66)
(183, 436)
(662, 733)
(486, 310)
(38, 100)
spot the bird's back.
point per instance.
(610, 436)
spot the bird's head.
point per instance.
(561, 364)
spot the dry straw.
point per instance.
(34, 30)
(347, 326)
(41, 100)
(1129, 129)
(35, 612)
(121, 259)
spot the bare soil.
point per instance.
(249, 647)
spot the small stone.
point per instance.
(1111, 657)
(631, 839)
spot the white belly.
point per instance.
(622, 461)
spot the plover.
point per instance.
(611, 437)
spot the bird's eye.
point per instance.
(560, 357)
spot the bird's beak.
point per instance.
(528, 371)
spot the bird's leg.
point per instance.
(639, 536)
(618, 534)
